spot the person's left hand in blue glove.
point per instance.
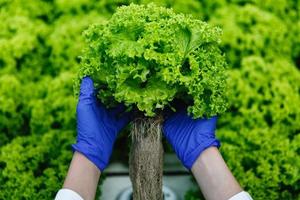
(97, 130)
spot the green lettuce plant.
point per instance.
(190, 7)
(53, 106)
(264, 94)
(11, 120)
(33, 9)
(18, 37)
(34, 167)
(263, 123)
(264, 161)
(147, 56)
(249, 30)
(66, 41)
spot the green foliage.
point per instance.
(148, 55)
(268, 167)
(264, 125)
(10, 101)
(19, 37)
(235, 15)
(36, 108)
(267, 92)
(192, 7)
(54, 106)
(34, 167)
(35, 9)
(285, 9)
(66, 41)
(249, 30)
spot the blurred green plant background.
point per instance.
(40, 45)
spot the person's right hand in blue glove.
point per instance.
(97, 130)
(195, 144)
(190, 137)
(97, 127)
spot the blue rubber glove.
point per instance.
(189, 137)
(97, 127)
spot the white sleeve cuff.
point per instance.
(241, 196)
(67, 194)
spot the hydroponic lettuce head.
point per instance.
(147, 56)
